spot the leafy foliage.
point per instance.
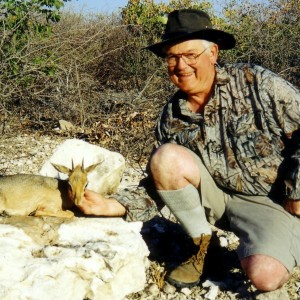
(147, 19)
(22, 23)
(267, 35)
(94, 72)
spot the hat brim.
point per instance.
(224, 40)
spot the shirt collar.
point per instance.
(222, 77)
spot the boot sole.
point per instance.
(180, 284)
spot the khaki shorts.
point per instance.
(262, 226)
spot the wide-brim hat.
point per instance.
(187, 24)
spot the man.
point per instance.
(222, 139)
(228, 145)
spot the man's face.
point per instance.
(192, 78)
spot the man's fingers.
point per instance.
(292, 206)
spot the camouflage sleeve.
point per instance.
(290, 168)
(287, 108)
(286, 100)
(137, 202)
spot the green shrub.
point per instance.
(267, 34)
(147, 19)
(92, 70)
(23, 27)
(23, 21)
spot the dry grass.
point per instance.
(93, 72)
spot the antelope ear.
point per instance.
(62, 169)
(92, 167)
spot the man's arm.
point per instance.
(291, 177)
(286, 102)
(134, 203)
(95, 204)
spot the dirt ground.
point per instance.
(168, 245)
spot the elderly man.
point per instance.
(228, 145)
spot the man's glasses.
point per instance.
(189, 59)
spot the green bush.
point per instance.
(267, 34)
(23, 27)
(146, 19)
(93, 71)
(22, 22)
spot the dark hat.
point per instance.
(188, 24)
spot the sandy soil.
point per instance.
(166, 241)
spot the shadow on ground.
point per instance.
(169, 246)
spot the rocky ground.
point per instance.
(168, 245)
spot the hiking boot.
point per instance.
(188, 273)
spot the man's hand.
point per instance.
(93, 203)
(292, 206)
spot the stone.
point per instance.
(281, 294)
(59, 259)
(105, 179)
(168, 288)
(66, 125)
(153, 289)
(213, 289)
(223, 241)
(186, 291)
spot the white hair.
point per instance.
(206, 44)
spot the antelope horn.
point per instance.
(82, 164)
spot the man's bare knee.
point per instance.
(265, 272)
(173, 167)
(163, 154)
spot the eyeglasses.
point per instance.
(189, 59)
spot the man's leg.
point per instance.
(176, 174)
(177, 178)
(265, 272)
(269, 240)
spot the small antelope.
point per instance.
(26, 194)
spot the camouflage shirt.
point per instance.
(248, 131)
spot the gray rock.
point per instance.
(59, 259)
(105, 179)
(153, 289)
(281, 294)
(168, 288)
(65, 125)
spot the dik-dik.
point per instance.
(36, 195)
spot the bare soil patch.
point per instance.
(168, 245)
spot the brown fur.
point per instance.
(26, 194)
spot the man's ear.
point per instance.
(214, 52)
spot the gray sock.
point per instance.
(186, 206)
